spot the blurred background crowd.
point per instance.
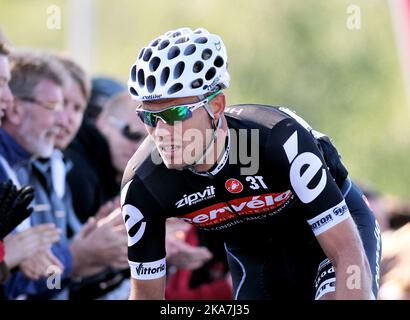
(68, 127)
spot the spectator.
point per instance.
(33, 241)
(111, 256)
(103, 88)
(32, 125)
(395, 264)
(100, 153)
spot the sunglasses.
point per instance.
(173, 114)
(125, 129)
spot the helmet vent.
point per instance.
(154, 63)
(189, 50)
(163, 44)
(182, 40)
(141, 53)
(176, 34)
(201, 40)
(173, 52)
(147, 54)
(196, 83)
(151, 84)
(175, 88)
(198, 66)
(134, 73)
(164, 76)
(155, 42)
(141, 77)
(206, 54)
(133, 92)
(179, 69)
(210, 73)
(219, 62)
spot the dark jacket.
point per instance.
(92, 181)
(93, 177)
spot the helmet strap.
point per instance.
(191, 167)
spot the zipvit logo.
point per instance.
(132, 217)
(311, 164)
(194, 198)
(141, 270)
(325, 220)
(339, 211)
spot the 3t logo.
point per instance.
(256, 182)
(312, 165)
(132, 216)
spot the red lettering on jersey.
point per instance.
(221, 212)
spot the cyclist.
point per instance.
(294, 224)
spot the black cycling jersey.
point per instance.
(278, 185)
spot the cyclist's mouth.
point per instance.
(169, 150)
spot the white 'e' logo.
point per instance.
(135, 216)
(300, 181)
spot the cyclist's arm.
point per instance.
(146, 241)
(293, 150)
(344, 248)
(148, 289)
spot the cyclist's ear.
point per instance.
(218, 105)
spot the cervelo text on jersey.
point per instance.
(220, 213)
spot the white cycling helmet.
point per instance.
(180, 63)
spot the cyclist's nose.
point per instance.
(163, 126)
(163, 130)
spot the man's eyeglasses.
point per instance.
(125, 129)
(51, 106)
(173, 114)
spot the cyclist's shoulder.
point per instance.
(142, 163)
(257, 116)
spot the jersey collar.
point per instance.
(218, 167)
